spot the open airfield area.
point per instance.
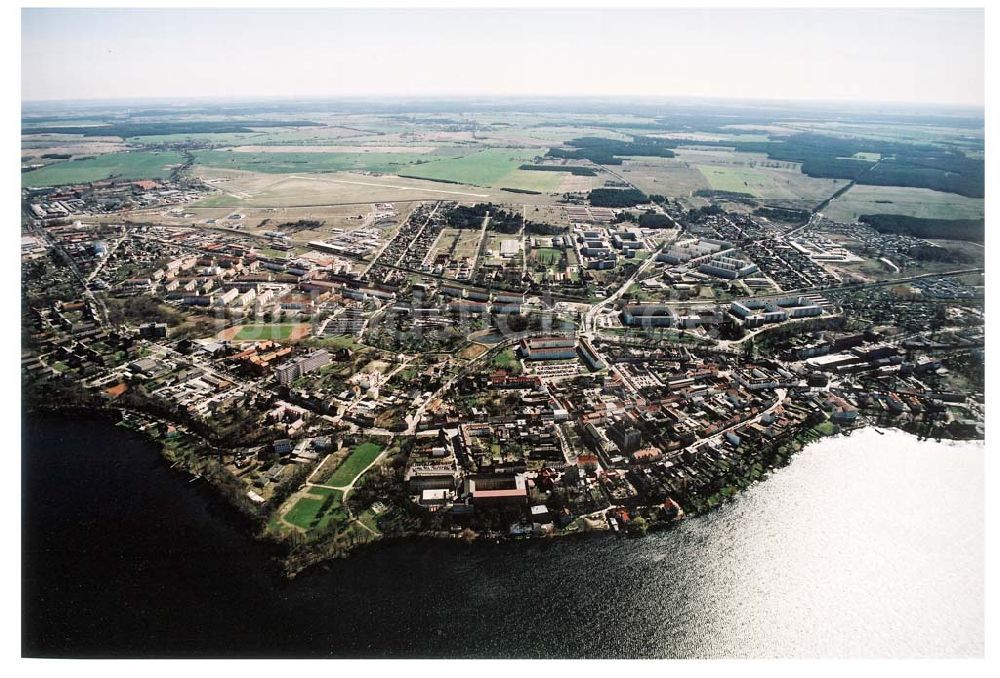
(315, 158)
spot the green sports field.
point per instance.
(275, 332)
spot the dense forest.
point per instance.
(617, 197)
(938, 168)
(464, 216)
(605, 151)
(576, 170)
(782, 214)
(972, 230)
(652, 219)
(916, 165)
(698, 215)
(501, 220)
(648, 219)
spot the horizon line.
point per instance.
(517, 96)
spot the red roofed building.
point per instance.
(498, 491)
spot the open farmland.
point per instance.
(133, 165)
(284, 148)
(755, 174)
(912, 202)
(920, 134)
(543, 182)
(664, 176)
(285, 162)
(495, 168)
(273, 135)
(757, 183)
(35, 146)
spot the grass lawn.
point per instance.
(507, 360)
(368, 520)
(335, 341)
(826, 428)
(549, 256)
(276, 332)
(317, 509)
(360, 457)
(130, 165)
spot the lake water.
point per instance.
(869, 545)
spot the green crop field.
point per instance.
(132, 165)
(912, 202)
(360, 457)
(486, 168)
(276, 332)
(745, 180)
(526, 180)
(230, 138)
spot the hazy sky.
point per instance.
(930, 56)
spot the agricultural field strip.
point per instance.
(401, 188)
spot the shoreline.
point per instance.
(292, 561)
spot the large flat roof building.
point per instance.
(294, 369)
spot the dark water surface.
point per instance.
(870, 545)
